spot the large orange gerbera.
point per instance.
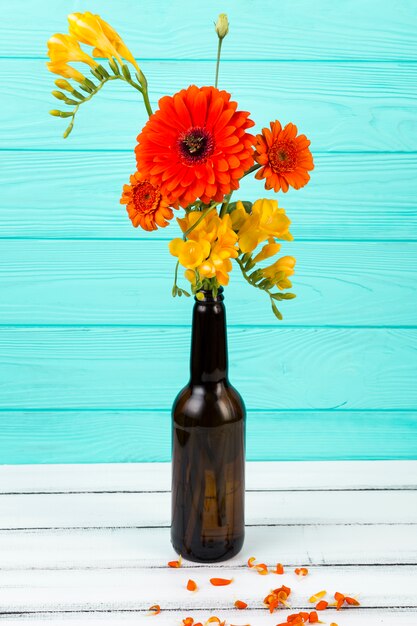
(196, 145)
(146, 205)
(285, 158)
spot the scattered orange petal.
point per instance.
(262, 569)
(188, 621)
(313, 618)
(317, 596)
(322, 605)
(277, 597)
(352, 601)
(301, 571)
(191, 585)
(279, 569)
(251, 561)
(155, 609)
(221, 582)
(175, 563)
(215, 619)
(239, 604)
(333, 624)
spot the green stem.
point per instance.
(252, 169)
(200, 219)
(147, 102)
(219, 49)
(225, 204)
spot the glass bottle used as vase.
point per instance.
(208, 446)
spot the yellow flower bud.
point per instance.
(65, 70)
(64, 84)
(222, 26)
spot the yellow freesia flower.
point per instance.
(210, 246)
(94, 31)
(266, 220)
(269, 249)
(65, 48)
(117, 42)
(190, 253)
(279, 272)
(66, 71)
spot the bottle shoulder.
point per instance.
(208, 405)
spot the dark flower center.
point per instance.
(145, 196)
(282, 156)
(195, 145)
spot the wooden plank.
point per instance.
(270, 476)
(378, 30)
(69, 282)
(342, 107)
(358, 617)
(126, 548)
(347, 198)
(104, 510)
(113, 368)
(125, 436)
(137, 589)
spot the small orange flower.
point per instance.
(284, 157)
(146, 206)
(191, 585)
(220, 582)
(239, 604)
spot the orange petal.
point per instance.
(175, 563)
(221, 582)
(313, 618)
(322, 605)
(279, 569)
(191, 585)
(251, 561)
(154, 609)
(301, 571)
(352, 601)
(188, 621)
(262, 569)
(239, 604)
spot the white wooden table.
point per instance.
(89, 544)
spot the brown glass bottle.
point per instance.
(208, 446)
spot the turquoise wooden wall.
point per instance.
(92, 346)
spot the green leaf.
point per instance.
(275, 310)
(186, 294)
(288, 296)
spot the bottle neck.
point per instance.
(209, 340)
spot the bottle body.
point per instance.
(208, 448)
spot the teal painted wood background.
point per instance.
(92, 346)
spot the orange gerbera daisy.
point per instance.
(196, 145)
(285, 158)
(146, 205)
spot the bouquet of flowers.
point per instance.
(191, 155)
